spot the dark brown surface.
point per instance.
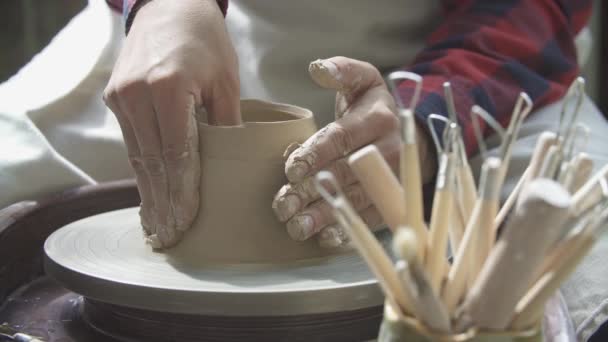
(25, 226)
(44, 309)
(28, 26)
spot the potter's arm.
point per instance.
(129, 8)
(177, 58)
(490, 51)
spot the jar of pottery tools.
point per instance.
(398, 327)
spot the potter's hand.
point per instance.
(176, 58)
(365, 114)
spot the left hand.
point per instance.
(365, 114)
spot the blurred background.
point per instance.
(29, 25)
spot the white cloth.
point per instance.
(56, 133)
(275, 41)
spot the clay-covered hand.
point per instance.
(365, 114)
(176, 59)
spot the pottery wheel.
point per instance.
(104, 257)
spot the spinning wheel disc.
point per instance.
(104, 257)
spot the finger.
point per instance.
(369, 119)
(223, 102)
(334, 236)
(134, 155)
(147, 133)
(319, 214)
(174, 108)
(291, 198)
(347, 75)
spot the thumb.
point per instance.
(346, 75)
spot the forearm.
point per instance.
(129, 8)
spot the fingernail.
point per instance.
(329, 239)
(300, 227)
(325, 73)
(287, 207)
(154, 241)
(297, 171)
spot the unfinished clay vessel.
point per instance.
(242, 167)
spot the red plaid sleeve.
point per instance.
(490, 51)
(129, 8)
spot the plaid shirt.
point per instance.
(489, 51)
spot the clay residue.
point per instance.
(325, 74)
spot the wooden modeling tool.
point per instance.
(545, 140)
(583, 168)
(543, 209)
(576, 171)
(576, 227)
(442, 210)
(427, 305)
(457, 222)
(364, 240)
(591, 193)
(529, 309)
(551, 163)
(478, 238)
(380, 184)
(409, 161)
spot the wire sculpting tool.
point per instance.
(465, 182)
(409, 161)
(436, 260)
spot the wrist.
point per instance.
(137, 5)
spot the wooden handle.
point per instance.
(478, 237)
(590, 193)
(427, 305)
(380, 184)
(511, 266)
(468, 192)
(529, 309)
(440, 217)
(545, 140)
(583, 168)
(412, 187)
(375, 256)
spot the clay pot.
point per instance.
(242, 169)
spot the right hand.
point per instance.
(177, 58)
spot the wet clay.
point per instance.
(242, 167)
